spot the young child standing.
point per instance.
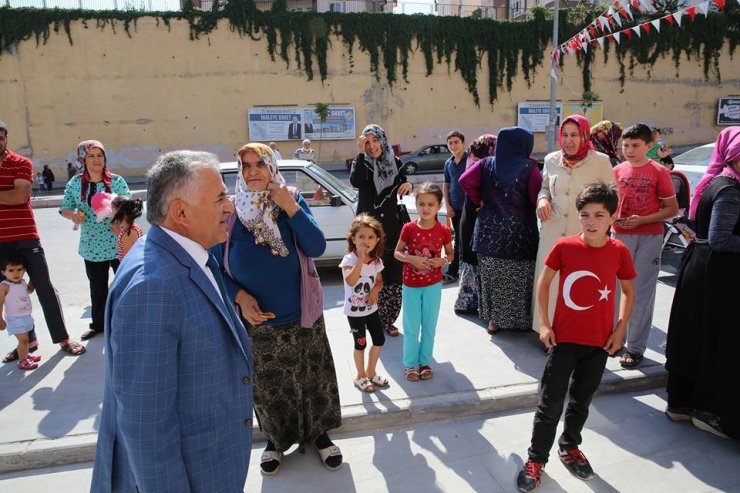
(419, 249)
(363, 281)
(582, 333)
(126, 210)
(647, 198)
(15, 301)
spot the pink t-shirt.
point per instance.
(641, 191)
(423, 243)
(584, 310)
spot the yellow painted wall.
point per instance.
(159, 91)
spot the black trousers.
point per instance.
(97, 274)
(582, 367)
(454, 267)
(38, 272)
(359, 326)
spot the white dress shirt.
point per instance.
(198, 253)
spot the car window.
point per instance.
(335, 183)
(424, 151)
(445, 149)
(229, 178)
(695, 157)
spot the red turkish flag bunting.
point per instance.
(720, 4)
(645, 27)
(692, 12)
(669, 19)
(628, 33)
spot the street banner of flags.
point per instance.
(609, 26)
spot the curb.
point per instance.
(74, 449)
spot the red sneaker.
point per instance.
(530, 476)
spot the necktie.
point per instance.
(212, 264)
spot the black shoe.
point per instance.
(708, 422)
(530, 476)
(576, 463)
(679, 413)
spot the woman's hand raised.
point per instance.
(283, 198)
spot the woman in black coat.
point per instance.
(379, 178)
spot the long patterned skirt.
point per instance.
(467, 296)
(389, 304)
(506, 292)
(296, 397)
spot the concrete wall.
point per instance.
(159, 91)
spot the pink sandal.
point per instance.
(27, 364)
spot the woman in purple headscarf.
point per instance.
(467, 295)
(703, 335)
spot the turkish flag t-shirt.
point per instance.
(584, 311)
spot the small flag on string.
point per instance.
(636, 29)
(646, 27)
(677, 17)
(628, 33)
(601, 42)
(669, 19)
(617, 20)
(616, 37)
(656, 24)
(703, 8)
(692, 12)
(720, 4)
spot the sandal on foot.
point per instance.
(89, 334)
(267, 463)
(363, 383)
(34, 358)
(630, 360)
(328, 455)
(13, 355)
(27, 364)
(392, 331)
(380, 381)
(492, 329)
(73, 348)
(426, 372)
(411, 374)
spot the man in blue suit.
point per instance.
(177, 406)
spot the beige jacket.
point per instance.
(561, 185)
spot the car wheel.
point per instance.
(410, 168)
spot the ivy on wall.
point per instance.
(304, 38)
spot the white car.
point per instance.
(693, 163)
(333, 203)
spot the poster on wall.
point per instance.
(594, 112)
(535, 115)
(728, 112)
(291, 123)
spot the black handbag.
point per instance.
(403, 213)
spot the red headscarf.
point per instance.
(585, 145)
(82, 149)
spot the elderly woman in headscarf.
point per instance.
(703, 334)
(505, 236)
(564, 175)
(271, 277)
(605, 137)
(379, 178)
(469, 286)
(98, 241)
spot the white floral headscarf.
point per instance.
(256, 210)
(384, 167)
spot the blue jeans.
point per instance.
(420, 312)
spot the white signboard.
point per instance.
(535, 115)
(289, 123)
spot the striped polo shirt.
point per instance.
(16, 221)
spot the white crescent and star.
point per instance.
(568, 286)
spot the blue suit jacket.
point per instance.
(177, 405)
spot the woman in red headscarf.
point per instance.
(98, 243)
(565, 174)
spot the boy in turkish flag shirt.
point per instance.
(582, 334)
